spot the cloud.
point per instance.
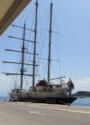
(82, 84)
(4, 85)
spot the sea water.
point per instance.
(77, 102)
(4, 98)
(82, 102)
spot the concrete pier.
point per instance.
(20, 113)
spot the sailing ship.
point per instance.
(43, 91)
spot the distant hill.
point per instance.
(82, 94)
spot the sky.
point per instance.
(72, 22)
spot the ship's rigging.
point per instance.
(43, 90)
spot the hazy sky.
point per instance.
(73, 24)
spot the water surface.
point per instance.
(82, 102)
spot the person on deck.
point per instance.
(70, 86)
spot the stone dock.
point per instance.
(22, 113)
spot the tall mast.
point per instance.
(22, 63)
(23, 52)
(49, 45)
(35, 39)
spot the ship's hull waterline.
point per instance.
(51, 100)
(62, 101)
